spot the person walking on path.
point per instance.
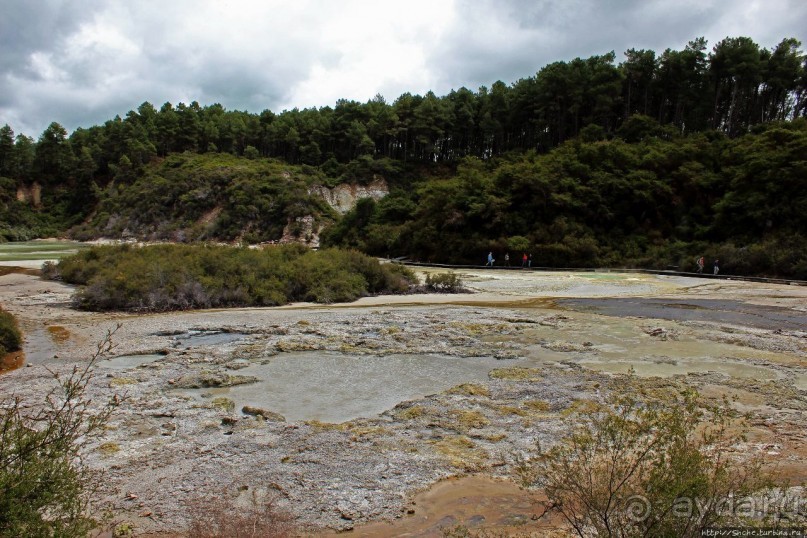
(716, 267)
(507, 259)
(529, 261)
(701, 262)
(490, 260)
(524, 260)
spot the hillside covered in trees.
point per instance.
(647, 197)
(650, 161)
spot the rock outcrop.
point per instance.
(30, 194)
(343, 197)
(302, 230)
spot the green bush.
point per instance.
(10, 336)
(629, 466)
(179, 277)
(44, 488)
(444, 283)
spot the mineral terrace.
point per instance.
(345, 412)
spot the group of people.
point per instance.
(701, 263)
(526, 260)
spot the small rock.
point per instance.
(208, 380)
(475, 520)
(447, 521)
(267, 415)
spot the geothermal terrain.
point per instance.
(353, 416)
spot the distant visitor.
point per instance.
(716, 267)
(700, 262)
(490, 260)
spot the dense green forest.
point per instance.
(647, 197)
(649, 161)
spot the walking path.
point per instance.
(669, 272)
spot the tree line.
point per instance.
(646, 197)
(732, 88)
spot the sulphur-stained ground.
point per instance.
(354, 410)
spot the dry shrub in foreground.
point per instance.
(660, 468)
(227, 517)
(45, 488)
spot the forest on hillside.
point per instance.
(589, 161)
(646, 198)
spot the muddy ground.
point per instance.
(504, 366)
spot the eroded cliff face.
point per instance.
(303, 230)
(343, 197)
(30, 194)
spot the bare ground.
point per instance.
(165, 449)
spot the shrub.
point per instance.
(10, 336)
(628, 466)
(518, 243)
(44, 488)
(178, 277)
(222, 516)
(444, 283)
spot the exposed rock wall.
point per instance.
(30, 194)
(302, 230)
(343, 197)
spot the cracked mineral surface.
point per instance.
(346, 413)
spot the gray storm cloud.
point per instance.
(506, 42)
(81, 63)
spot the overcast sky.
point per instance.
(81, 62)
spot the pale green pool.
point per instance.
(36, 251)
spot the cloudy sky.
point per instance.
(81, 62)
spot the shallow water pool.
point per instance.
(666, 367)
(332, 387)
(38, 250)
